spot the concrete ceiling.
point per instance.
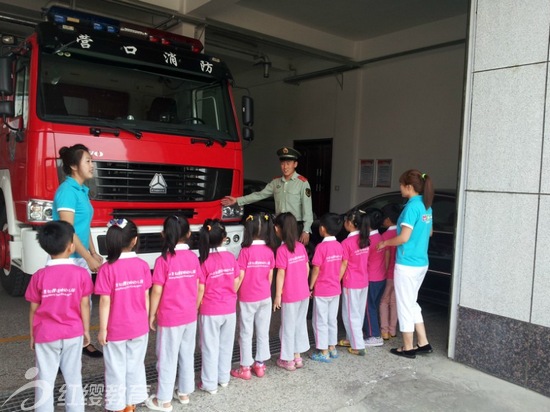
(358, 20)
(289, 32)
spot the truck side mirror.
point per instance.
(248, 110)
(6, 76)
(248, 134)
(7, 109)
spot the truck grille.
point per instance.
(149, 243)
(152, 182)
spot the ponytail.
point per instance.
(175, 229)
(421, 183)
(211, 235)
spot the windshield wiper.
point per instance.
(208, 140)
(97, 131)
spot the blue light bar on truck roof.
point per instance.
(69, 17)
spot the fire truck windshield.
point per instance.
(94, 89)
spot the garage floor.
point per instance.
(376, 382)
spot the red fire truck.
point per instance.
(157, 115)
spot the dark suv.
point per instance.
(437, 284)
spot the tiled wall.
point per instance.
(504, 279)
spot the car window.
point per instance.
(444, 213)
(380, 201)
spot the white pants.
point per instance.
(293, 331)
(175, 354)
(407, 282)
(125, 381)
(325, 321)
(254, 316)
(64, 354)
(354, 304)
(217, 339)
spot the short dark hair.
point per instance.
(392, 211)
(55, 236)
(332, 222)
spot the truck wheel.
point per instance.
(14, 280)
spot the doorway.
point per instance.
(316, 165)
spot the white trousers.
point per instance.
(125, 381)
(254, 316)
(407, 282)
(175, 354)
(64, 354)
(217, 339)
(354, 304)
(325, 321)
(293, 331)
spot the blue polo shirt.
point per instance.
(72, 197)
(415, 216)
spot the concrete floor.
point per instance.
(379, 381)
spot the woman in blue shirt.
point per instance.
(414, 228)
(72, 204)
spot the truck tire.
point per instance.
(14, 280)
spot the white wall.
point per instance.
(408, 109)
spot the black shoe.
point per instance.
(91, 351)
(411, 354)
(424, 349)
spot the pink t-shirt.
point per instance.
(218, 274)
(377, 258)
(125, 282)
(356, 275)
(257, 261)
(58, 289)
(295, 265)
(328, 258)
(179, 276)
(388, 234)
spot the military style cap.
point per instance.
(288, 153)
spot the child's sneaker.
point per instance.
(298, 363)
(359, 352)
(319, 357)
(224, 384)
(211, 392)
(333, 353)
(258, 369)
(242, 373)
(344, 342)
(288, 365)
(374, 341)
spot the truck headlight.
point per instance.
(39, 210)
(234, 212)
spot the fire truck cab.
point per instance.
(157, 115)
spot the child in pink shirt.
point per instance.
(291, 292)
(218, 285)
(173, 314)
(123, 284)
(355, 280)
(388, 306)
(377, 281)
(325, 287)
(59, 317)
(256, 262)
